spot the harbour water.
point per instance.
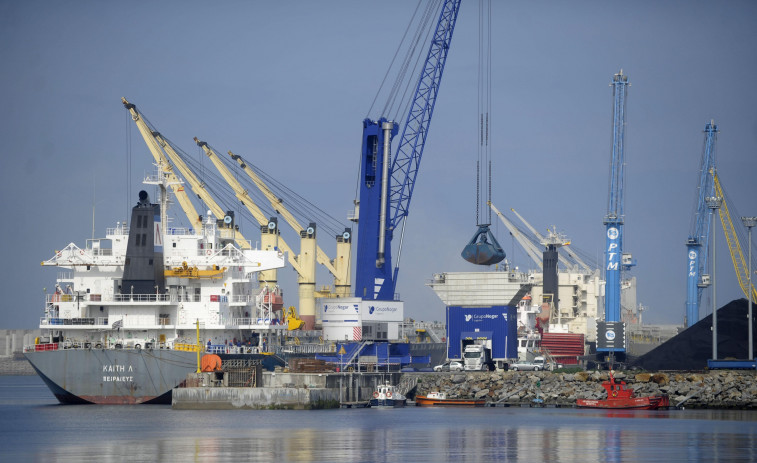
(34, 427)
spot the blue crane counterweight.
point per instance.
(698, 242)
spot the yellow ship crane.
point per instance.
(178, 188)
(303, 264)
(199, 188)
(338, 267)
(737, 256)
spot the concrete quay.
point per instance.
(279, 390)
(253, 398)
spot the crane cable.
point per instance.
(301, 208)
(393, 104)
(404, 72)
(483, 163)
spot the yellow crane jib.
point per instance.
(734, 247)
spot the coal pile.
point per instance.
(691, 349)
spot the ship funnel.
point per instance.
(144, 198)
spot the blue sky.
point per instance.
(287, 85)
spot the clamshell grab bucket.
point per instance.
(483, 248)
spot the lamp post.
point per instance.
(713, 202)
(750, 222)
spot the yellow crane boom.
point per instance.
(338, 267)
(246, 200)
(199, 188)
(303, 263)
(178, 188)
(737, 256)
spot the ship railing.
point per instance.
(188, 347)
(251, 321)
(42, 347)
(65, 277)
(232, 349)
(179, 231)
(142, 298)
(91, 297)
(308, 348)
(78, 321)
(117, 231)
(101, 251)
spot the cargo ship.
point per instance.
(132, 311)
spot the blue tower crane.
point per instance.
(698, 242)
(611, 332)
(386, 184)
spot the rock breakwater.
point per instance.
(724, 389)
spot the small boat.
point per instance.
(620, 396)
(440, 399)
(387, 396)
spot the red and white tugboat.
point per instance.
(620, 396)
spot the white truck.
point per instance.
(477, 357)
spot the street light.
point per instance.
(713, 202)
(750, 222)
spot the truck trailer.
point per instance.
(483, 338)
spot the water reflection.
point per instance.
(419, 435)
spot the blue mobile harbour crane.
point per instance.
(386, 183)
(611, 338)
(698, 242)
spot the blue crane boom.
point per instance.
(611, 331)
(615, 218)
(698, 242)
(386, 185)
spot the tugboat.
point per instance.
(620, 396)
(387, 396)
(440, 399)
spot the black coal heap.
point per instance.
(691, 349)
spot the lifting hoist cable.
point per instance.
(412, 44)
(306, 207)
(301, 208)
(397, 97)
(415, 53)
(394, 58)
(484, 111)
(483, 248)
(212, 182)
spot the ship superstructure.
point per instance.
(128, 308)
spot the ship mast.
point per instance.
(162, 182)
